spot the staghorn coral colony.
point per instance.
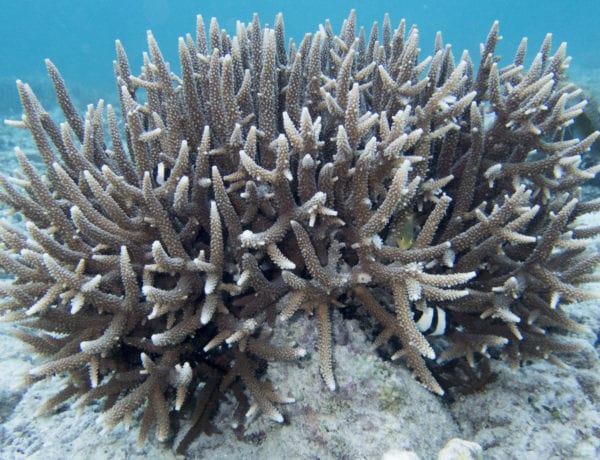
(434, 199)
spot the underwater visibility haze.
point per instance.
(79, 36)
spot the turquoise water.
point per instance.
(79, 36)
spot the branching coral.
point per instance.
(156, 260)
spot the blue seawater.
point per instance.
(78, 36)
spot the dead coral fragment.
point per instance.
(263, 181)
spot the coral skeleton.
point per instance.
(164, 243)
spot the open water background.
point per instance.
(79, 35)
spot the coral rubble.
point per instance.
(434, 201)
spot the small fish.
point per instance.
(431, 321)
(405, 233)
